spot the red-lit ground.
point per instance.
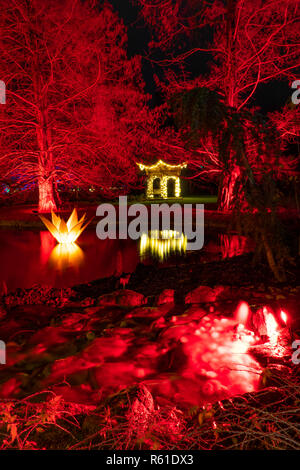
(186, 356)
(187, 359)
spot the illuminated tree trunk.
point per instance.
(46, 170)
(46, 195)
(230, 189)
(231, 179)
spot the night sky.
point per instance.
(269, 97)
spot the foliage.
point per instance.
(76, 112)
(248, 157)
(242, 44)
(265, 420)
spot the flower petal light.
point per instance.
(65, 232)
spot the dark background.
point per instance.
(268, 97)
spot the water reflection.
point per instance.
(66, 255)
(47, 245)
(233, 245)
(31, 257)
(60, 256)
(162, 244)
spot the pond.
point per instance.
(31, 257)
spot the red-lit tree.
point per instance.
(246, 139)
(287, 122)
(76, 110)
(244, 44)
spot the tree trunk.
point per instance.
(46, 195)
(229, 192)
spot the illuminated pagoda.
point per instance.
(163, 179)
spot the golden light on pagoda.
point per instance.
(160, 165)
(163, 243)
(163, 172)
(65, 232)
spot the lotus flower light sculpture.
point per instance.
(65, 232)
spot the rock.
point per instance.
(142, 412)
(146, 419)
(105, 347)
(122, 298)
(264, 324)
(192, 313)
(150, 312)
(165, 297)
(203, 294)
(88, 301)
(92, 311)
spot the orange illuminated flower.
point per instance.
(65, 232)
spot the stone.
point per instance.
(193, 313)
(150, 312)
(203, 294)
(88, 301)
(122, 298)
(165, 297)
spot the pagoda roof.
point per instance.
(160, 165)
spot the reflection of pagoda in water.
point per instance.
(162, 244)
(163, 179)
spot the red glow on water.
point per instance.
(197, 359)
(41, 261)
(233, 245)
(213, 363)
(47, 244)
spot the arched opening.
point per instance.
(171, 187)
(156, 187)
